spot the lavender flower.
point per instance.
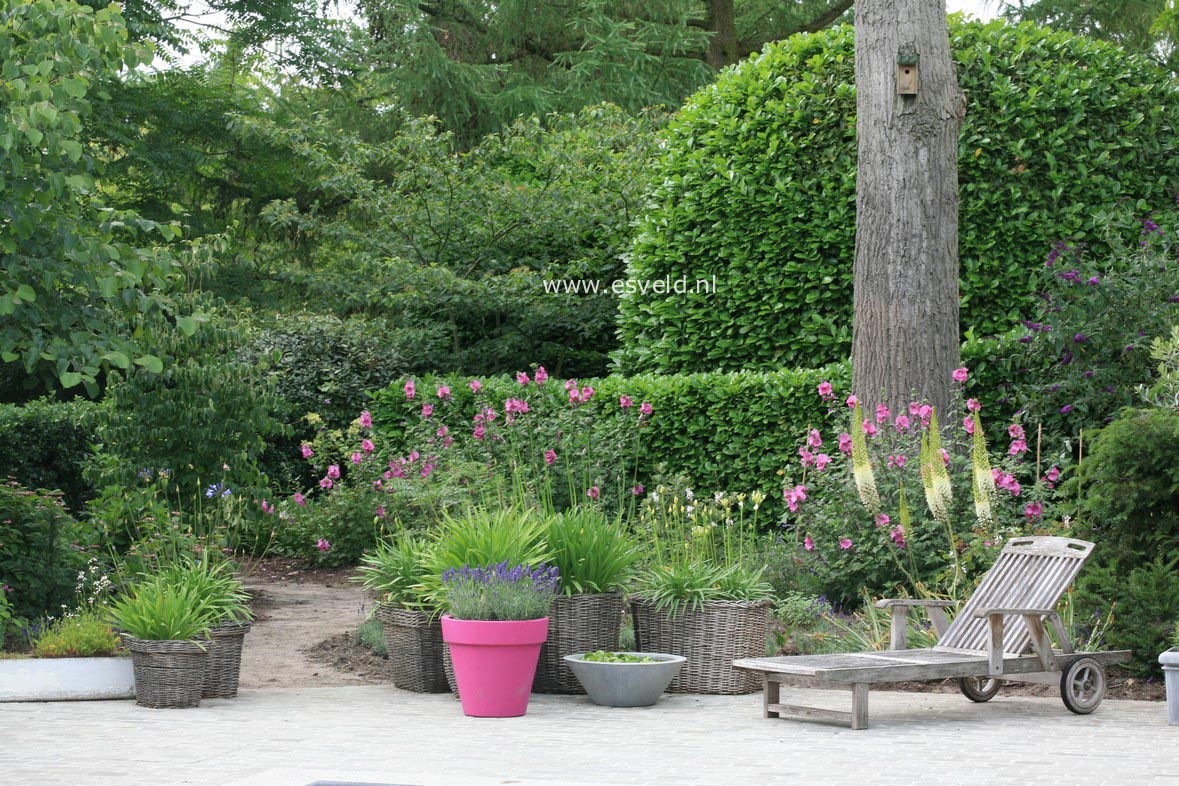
(500, 591)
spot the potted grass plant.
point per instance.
(702, 594)
(595, 558)
(494, 626)
(395, 571)
(77, 657)
(1170, 662)
(165, 618)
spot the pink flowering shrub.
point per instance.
(887, 504)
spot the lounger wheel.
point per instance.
(979, 689)
(1082, 685)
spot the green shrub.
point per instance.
(45, 444)
(1128, 487)
(395, 571)
(591, 553)
(757, 186)
(181, 602)
(1143, 603)
(40, 550)
(83, 635)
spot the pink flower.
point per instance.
(570, 385)
(968, 424)
(367, 445)
(826, 391)
(869, 427)
(645, 408)
(490, 414)
(845, 543)
(794, 496)
(808, 544)
(960, 374)
(414, 456)
(1015, 431)
(356, 457)
(550, 456)
(366, 419)
(300, 500)
(814, 439)
(1017, 446)
(479, 432)
(925, 412)
(945, 456)
(897, 461)
(541, 376)
(522, 378)
(443, 392)
(1033, 510)
(427, 468)
(475, 385)
(851, 402)
(427, 410)
(334, 472)
(638, 490)
(821, 461)
(973, 405)
(323, 545)
(266, 508)
(882, 413)
(379, 484)
(808, 458)
(586, 392)
(898, 536)
(307, 451)
(845, 443)
(914, 407)
(516, 405)
(901, 423)
(592, 493)
(410, 390)
(626, 402)
(1052, 475)
(442, 432)
(380, 511)
(882, 520)
(326, 483)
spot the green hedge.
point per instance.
(757, 187)
(45, 444)
(724, 431)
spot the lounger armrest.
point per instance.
(1013, 612)
(888, 603)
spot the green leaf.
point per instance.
(70, 378)
(151, 363)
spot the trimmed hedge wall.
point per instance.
(757, 186)
(45, 444)
(731, 431)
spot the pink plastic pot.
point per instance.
(494, 663)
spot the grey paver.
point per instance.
(378, 734)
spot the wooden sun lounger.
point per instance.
(1001, 635)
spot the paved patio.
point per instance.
(289, 737)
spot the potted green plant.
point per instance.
(495, 626)
(481, 536)
(702, 595)
(395, 571)
(625, 679)
(165, 618)
(595, 558)
(1170, 662)
(77, 657)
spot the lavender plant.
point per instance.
(500, 591)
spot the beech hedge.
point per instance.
(756, 185)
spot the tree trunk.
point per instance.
(720, 18)
(905, 331)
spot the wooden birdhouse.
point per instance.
(907, 81)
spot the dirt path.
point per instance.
(296, 611)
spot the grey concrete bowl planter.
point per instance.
(1170, 661)
(626, 684)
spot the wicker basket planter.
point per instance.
(224, 664)
(168, 673)
(577, 623)
(414, 641)
(711, 638)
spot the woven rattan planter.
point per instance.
(224, 664)
(711, 638)
(414, 642)
(577, 623)
(168, 673)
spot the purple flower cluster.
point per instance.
(543, 579)
(500, 591)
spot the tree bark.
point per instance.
(720, 17)
(905, 342)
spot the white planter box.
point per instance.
(66, 679)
